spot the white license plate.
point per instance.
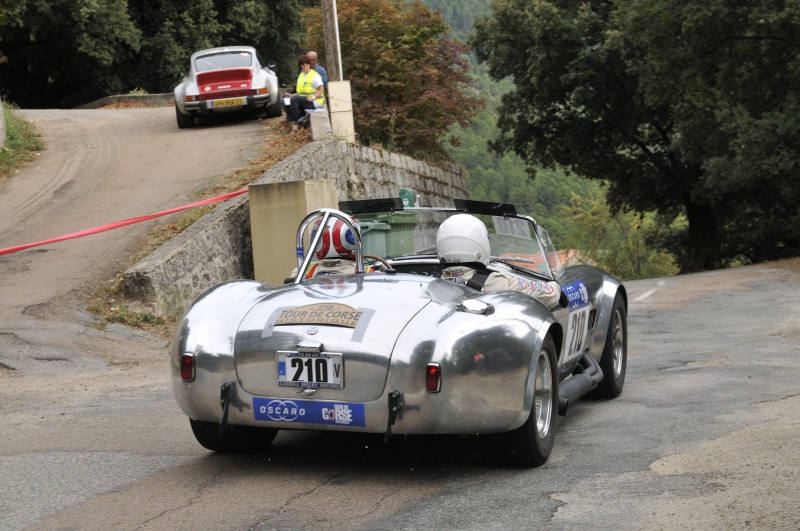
(323, 370)
(227, 103)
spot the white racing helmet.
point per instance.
(463, 238)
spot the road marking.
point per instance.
(644, 295)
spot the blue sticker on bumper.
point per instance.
(307, 411)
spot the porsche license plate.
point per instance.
(228, 103)
(322, 370)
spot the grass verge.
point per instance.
(22, 142)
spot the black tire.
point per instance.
(184, 120)
(275, 110)
(234, 440)
(615, 353)
(530, 444)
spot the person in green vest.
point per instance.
(309, 93)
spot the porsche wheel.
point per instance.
(234, 440)
(274, 111)
(184, 120)
(530, 444)
(615, 353)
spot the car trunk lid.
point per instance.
(214, 83)
(331, 335)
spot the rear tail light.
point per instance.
(192, 98)
(433, 378)
(187, 367)
(262, 90)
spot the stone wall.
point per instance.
(218, 247)
(152, 100)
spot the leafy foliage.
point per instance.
(459, 14)
(67, 52)
(51, 45)
(618, 242)
(682, 107)
(503, 177)
(410, 81)
(175, 29)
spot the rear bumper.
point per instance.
(255, 102)
(397, 411)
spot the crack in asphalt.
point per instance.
(309, 492)
(190, 500)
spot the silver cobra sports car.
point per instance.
(379, 342)
(225, 80)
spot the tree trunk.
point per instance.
(702, 247)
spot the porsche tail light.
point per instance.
(263, 90)
(192, 98)
(187, 367)
(433, 378)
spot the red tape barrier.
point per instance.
(116, 225)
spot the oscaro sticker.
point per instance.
(577, 294)
(307, 411)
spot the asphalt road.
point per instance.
(703, 436)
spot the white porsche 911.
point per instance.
(224, 80)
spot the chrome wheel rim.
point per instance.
(618, 339)
(542, 394)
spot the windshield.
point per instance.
(223, 60)
(411, 235)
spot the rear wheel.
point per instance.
(234, 440)
(184, 120)
(530, 444)
(615, 353)
(275, 110)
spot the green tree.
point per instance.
(493, 177)
(174, 29)
(682, 107)
(8, 10)
(459, 14)
(617, 241)
(62, 52)
(274, 28)
(66, 52)
(410, 82)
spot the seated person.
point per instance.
(309, 93)
(462, 240)
(335, 252)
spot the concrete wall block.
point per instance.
(320, 126)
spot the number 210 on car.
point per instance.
(310, 369)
